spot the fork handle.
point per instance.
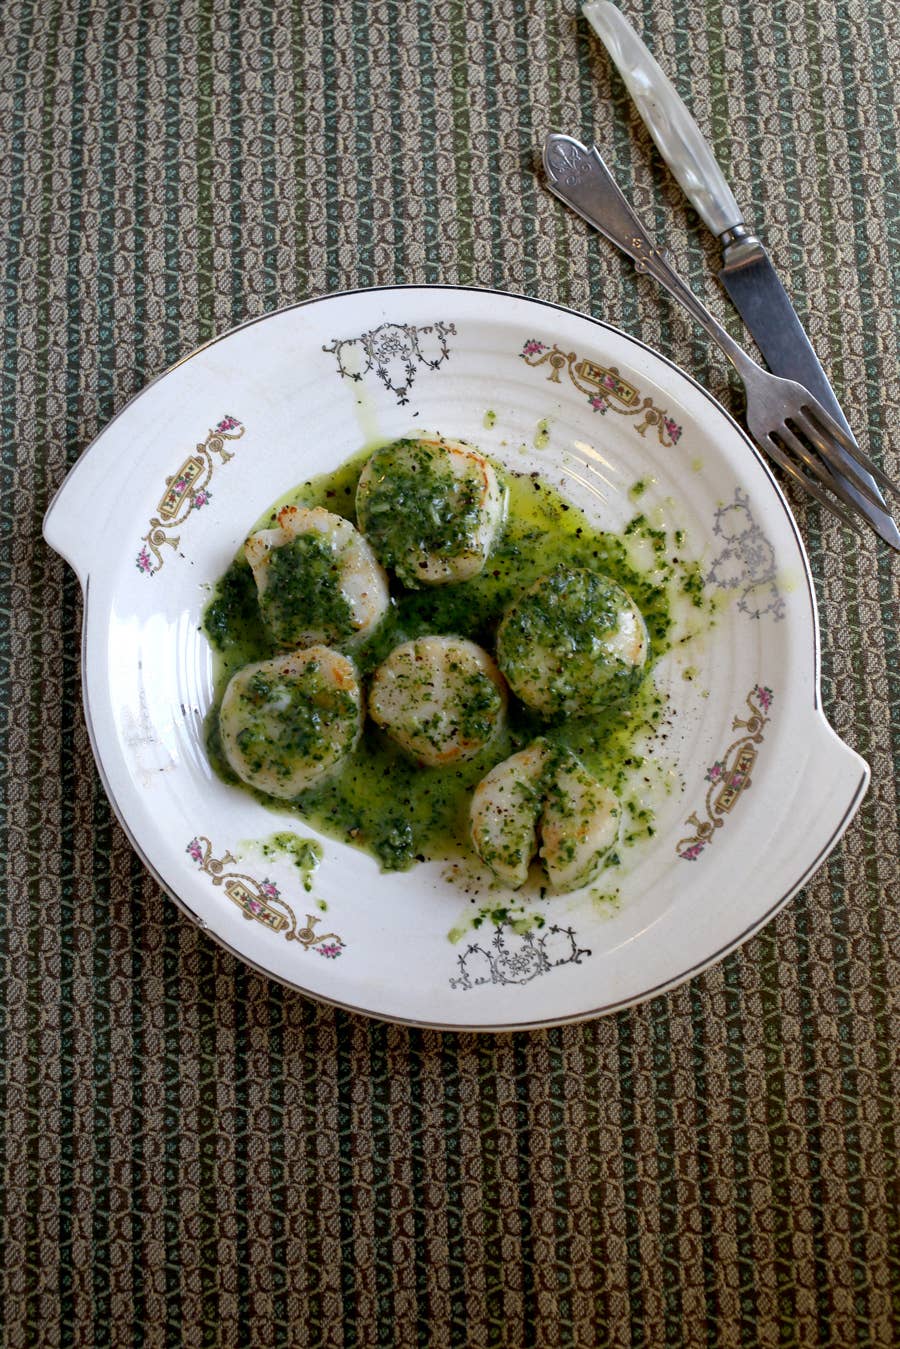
(579, 177)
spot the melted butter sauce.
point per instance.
(402, 812)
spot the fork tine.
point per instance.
(837, 483)
(785, 462)
(846, 466)
(812, 417)
(812, 405)
(823, 469)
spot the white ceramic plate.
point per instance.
(762, 787)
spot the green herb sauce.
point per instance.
(415, 506)
(637, 489)
(381, 801)
(305, 853)
(575, 613)
(304, 594)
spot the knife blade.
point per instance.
(748, 274)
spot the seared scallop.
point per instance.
(317, 578)
(288, 722)
(544, 792)
(579, 825)
(574, 643)
(431, 509)
(504, 814)
(440, 698)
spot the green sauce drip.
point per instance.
(232, 621)
(305, 853)
(498, 915)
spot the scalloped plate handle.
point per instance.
(843, 779)
(82, 498)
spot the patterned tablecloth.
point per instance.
(193, 1155)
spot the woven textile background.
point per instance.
(192, 1155)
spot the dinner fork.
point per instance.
(783, 417)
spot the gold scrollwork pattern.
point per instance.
(730, 776)
(186, 490)
(605, 389)
(261, 901)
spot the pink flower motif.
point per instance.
(673, 429)
(194, 850)
(598, 404)
(330, 949)
(715, 771)
(201, 499)
(179, 486)
(143, 563)
(269, 889)
(227, 424)
(764, 696)
(532, 347)
(692, 853)
(609, 381)
(254, 905)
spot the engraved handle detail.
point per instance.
(579, 177)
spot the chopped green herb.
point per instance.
(303, 593)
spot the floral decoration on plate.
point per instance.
(394, 351)
(729, 777)
(514, 958)
(746, 561)
(262, 901)
(604, 388)
(187, 491)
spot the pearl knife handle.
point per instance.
(679, 139)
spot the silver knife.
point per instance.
(747, 273)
